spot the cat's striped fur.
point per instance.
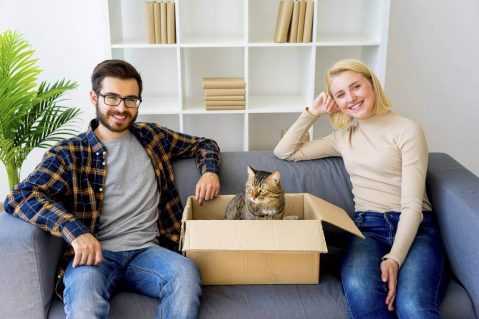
(263, 197)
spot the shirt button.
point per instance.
(103, 163)
(97, 153)
(100, 189)
(104, 153)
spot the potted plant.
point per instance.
(31, 115)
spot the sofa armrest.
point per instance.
(454, 193)
(28, 261)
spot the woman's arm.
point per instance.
(293, 146)
(414, 159)
(296, 146)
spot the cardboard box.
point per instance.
(260, 251)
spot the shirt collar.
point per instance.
(93, 140)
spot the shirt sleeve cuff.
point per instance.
(395, 258)
(210, 167)
(72, 229)
(307, 111)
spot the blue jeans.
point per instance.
(421, 278)
(154, 271)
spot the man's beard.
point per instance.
(103, 119)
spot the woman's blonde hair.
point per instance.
(381, 105)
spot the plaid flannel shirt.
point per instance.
(64, 194)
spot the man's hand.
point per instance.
(208, 187)
(87, 250)
(389, 274)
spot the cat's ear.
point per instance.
(275, 176)
(251, 171)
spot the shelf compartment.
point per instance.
(128, 23)
(280, 78)
(350, 21)
(211, 21)
(198, 63)
(265, 130)
(225, 129)
(262, 17)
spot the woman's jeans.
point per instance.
(421, 278)
(154, 271)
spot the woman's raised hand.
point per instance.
(323, 104)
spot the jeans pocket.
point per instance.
(358, 219)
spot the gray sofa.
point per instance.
(28, 255)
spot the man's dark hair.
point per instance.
(116, 69)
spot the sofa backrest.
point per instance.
(325, 178)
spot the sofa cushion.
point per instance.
(323, 301)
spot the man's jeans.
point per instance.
(421, 277)
(154, 271)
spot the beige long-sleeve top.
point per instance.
(386, 161)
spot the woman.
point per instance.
(398, 270)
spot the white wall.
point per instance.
(433, 72)
(433, 58)
(70, 38)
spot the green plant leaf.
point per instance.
(31, 114)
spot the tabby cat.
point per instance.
(263, 197)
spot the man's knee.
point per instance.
(187, 274)
(86, 293)
(85, 278)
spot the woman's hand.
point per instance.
(389, 275)
(323, 104)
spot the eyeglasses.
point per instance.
(115, 100)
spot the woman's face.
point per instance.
(353, 94)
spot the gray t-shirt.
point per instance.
(130, 211)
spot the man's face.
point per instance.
(116, 118)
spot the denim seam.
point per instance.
(110, 283)
(436, 297)
(390, 230)
(149, 272)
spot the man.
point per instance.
(110, 193)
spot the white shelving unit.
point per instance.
(220, 38)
